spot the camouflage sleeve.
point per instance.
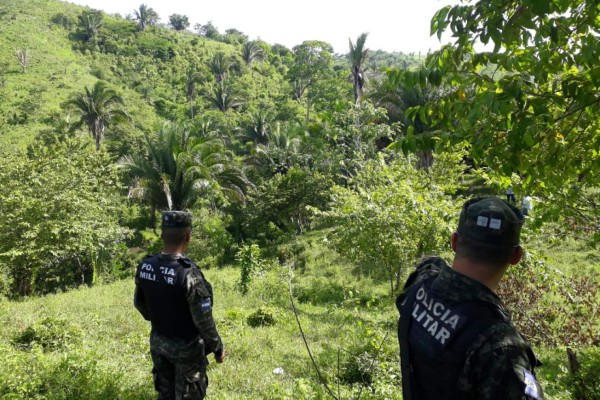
(502, 371)
(200, 302)
(140, 303)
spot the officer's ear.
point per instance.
(517, 254)
(454, 241)
(188, 236)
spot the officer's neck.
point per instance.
(488, 275)
(174, 249)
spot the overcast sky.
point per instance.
(393, 25)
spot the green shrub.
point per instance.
(321, 291)
(261, 317)
(50, 334)
(63, 20)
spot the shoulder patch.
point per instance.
(532, 387)
(206, 306)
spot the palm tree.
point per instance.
(91, 22)
(99, 107)
(220, 65)
(396, 96)
(252, 52)
(223, 97)
(282, 147)
(145, 16)
(191, 79)
(180, 168)
(259, 126)
(358, 57)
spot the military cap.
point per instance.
(490, 220)
(176, 219)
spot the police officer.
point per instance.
(172, 293)
(456, 337)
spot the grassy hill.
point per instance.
(91, 343)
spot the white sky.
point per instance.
(393, 25)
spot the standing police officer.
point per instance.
(172, 293)
(456, 337)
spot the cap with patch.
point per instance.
(490, 220)
(176, 219)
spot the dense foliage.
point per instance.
(333, 173)
(60, 207)
(391, 215)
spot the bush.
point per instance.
(50, 334)
(63, 20)
(321, 291)
(261, 317)
(211, 244)
(283, 204)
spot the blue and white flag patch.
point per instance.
(532, 388)
(206, 305)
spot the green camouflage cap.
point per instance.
(490, 220)
(176, 219)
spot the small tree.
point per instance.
(179, 22)
(208, 30)
(23, 58)
(390, 216)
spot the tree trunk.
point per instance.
(425, 159)
(574, 366)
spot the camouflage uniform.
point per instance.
(461, 342)
(172, 293)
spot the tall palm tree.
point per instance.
(180, 168)
(99, 107)
(223, 97)
(358, 57)
(145, 16)
(252, 52)
(192, 77)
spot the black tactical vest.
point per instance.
(162, 281)
(440, 335)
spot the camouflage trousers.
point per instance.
(179, 368)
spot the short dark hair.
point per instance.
(482, 252)
(174, 236)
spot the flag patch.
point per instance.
(531, 385)
(206, 305)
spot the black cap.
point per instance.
(490, 220)
(176, 219)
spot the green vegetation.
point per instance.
(332, 172)
(103, 350)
